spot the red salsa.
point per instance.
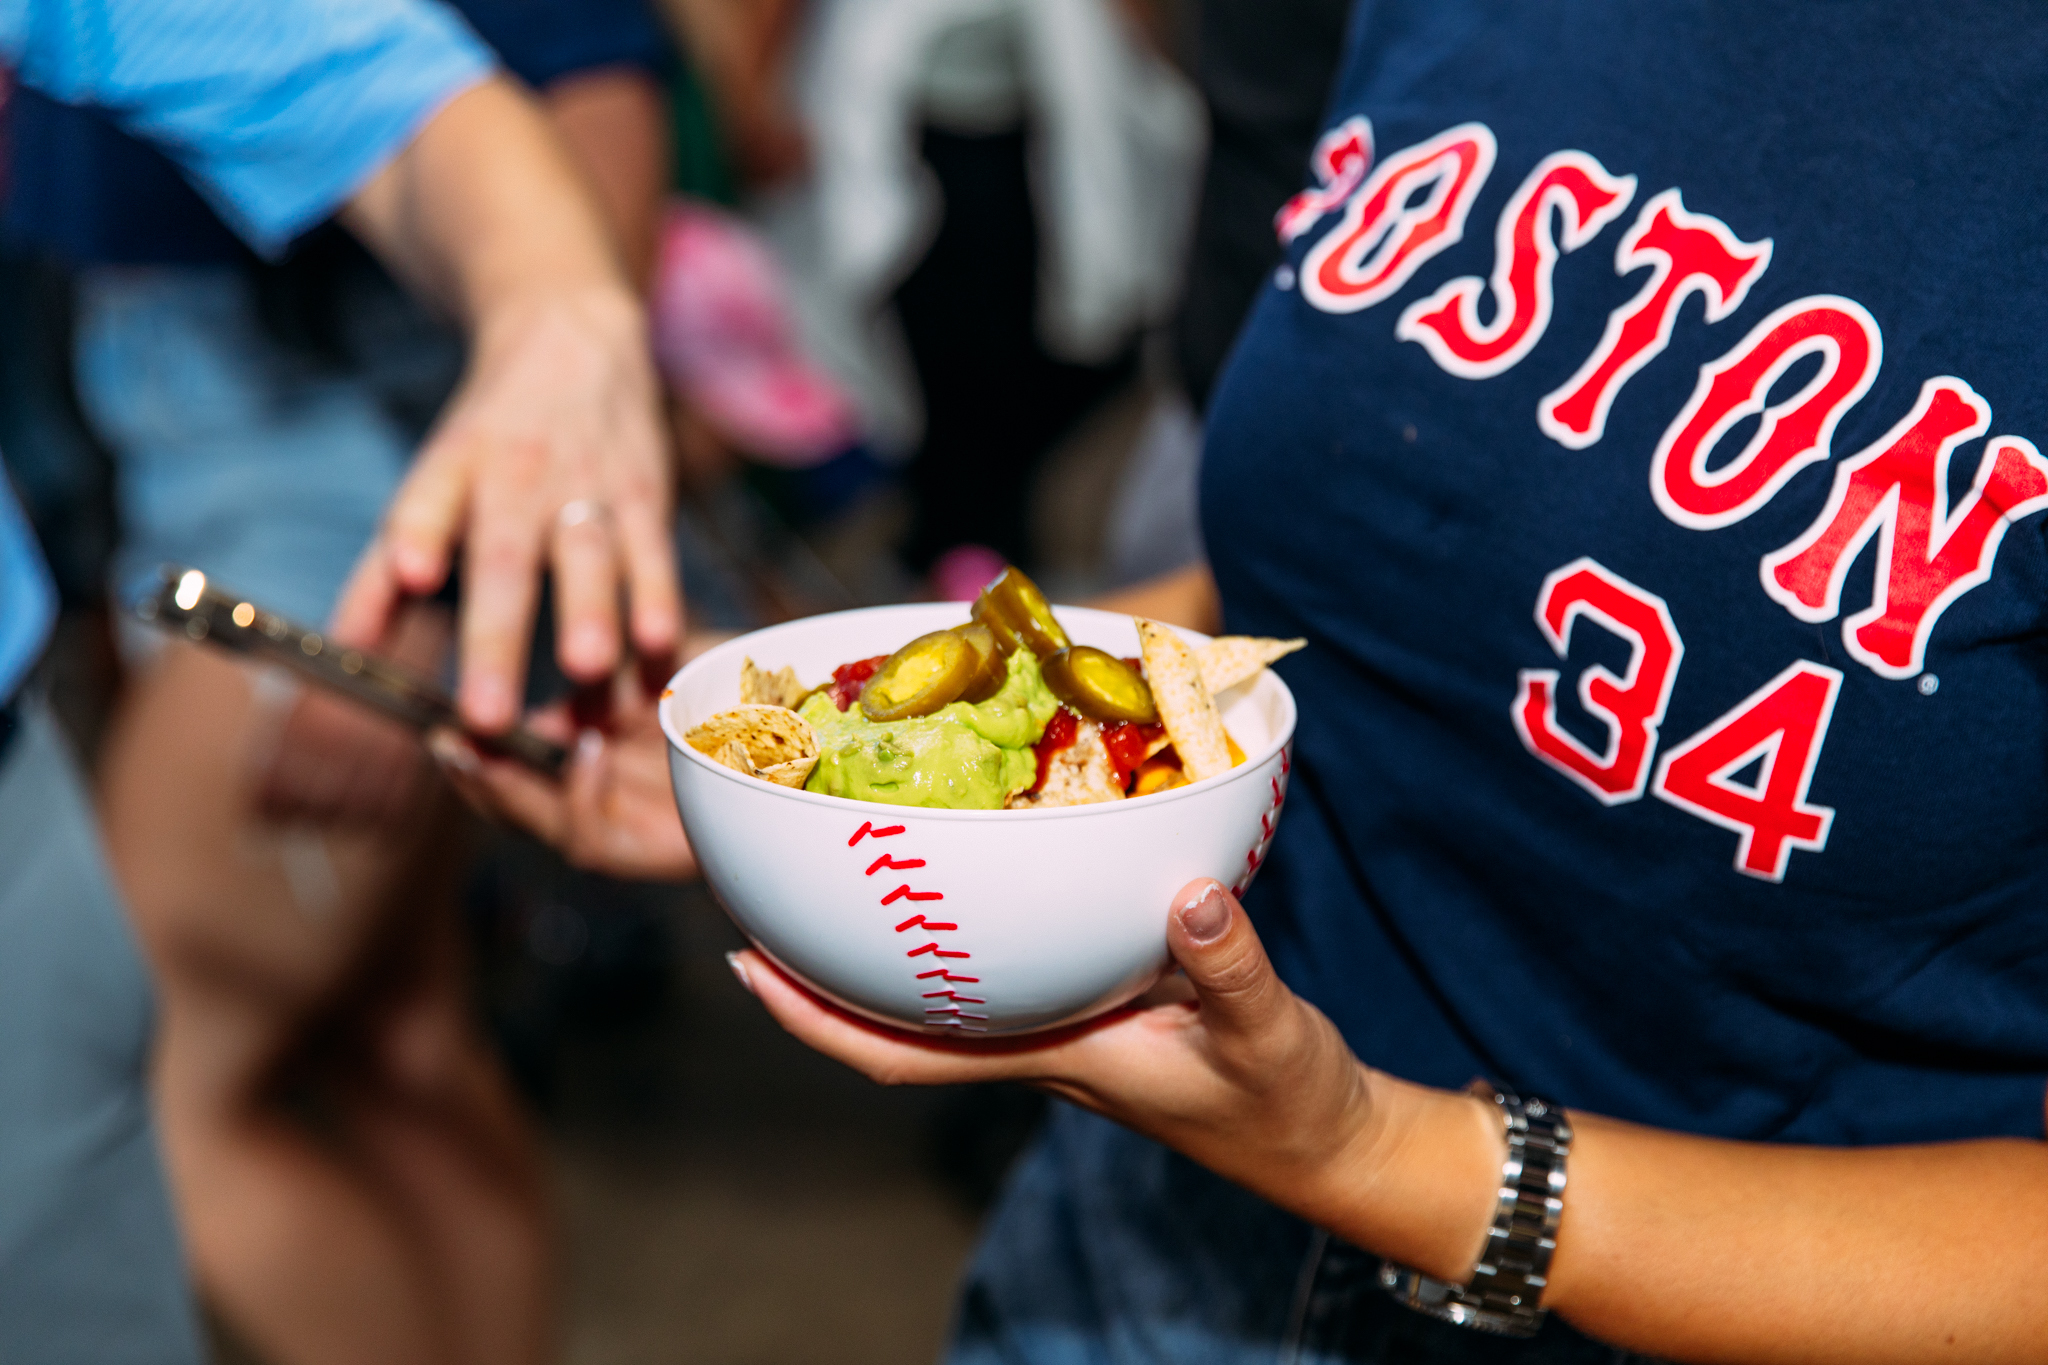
(1127, 743)
(1059, 734)
(848, 679)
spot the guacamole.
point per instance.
(964, 756)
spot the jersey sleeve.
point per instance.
(278, 111)
(542, 41)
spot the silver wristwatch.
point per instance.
(1505, 1294)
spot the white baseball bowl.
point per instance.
(979, 922)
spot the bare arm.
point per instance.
(1184, 597)
(1698, 1249)
(551, 452)
(1683, 1247)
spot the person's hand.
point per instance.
(549, 455)
(613, 810)
(1228, 1066)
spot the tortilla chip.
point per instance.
(734, 755)
(769, 742)
(779, 688)
(1185, 706)
(793, 773)
(1232, 659)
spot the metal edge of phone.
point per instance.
(185, 601)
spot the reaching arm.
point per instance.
(1683, 1247)
(551, 451)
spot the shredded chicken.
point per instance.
(1078, 775)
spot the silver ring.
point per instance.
(579, 511)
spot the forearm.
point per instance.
(1697, 1249)
(1184, 597)
(483, 211)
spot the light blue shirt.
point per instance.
(277, 109)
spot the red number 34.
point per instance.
(1779, 728)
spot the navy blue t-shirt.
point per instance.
(1641, 433)
(86, 192)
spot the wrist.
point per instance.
(1418, 1181)
(598, 307)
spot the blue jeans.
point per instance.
(91, 1272)
(265, 465)
(261, 464)
(1107, 1249)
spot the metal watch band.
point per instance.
(1505, 1295)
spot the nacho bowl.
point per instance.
(974, 922)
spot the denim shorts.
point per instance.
(260, 462)
(1108, 1249)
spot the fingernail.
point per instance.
(739, 969)
(488, 701)
(589, 746)
(1207, 916)
(451, 752)
(590, 643)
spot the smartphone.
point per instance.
(187, 602)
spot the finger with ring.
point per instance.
(579, 511)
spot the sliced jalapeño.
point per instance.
(921, 677)
(1015, 600)
(1099, 685)
(992, 668)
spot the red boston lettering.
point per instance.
(1633, 706)
(1585, 199)
(1342, 157)
(1781, 726)
(1411, 207)
(1927, 557)
(1790, 435)
(1687, 253)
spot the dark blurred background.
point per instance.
(727, 1196)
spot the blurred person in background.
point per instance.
(1264, 72)
(983, 205)
(1731, 889)
(393, 114)
(290, 863)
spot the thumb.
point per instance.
(1213, 941)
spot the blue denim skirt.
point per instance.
(1108, 1249)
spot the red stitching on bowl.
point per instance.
(1256, 855)
(936, 951)
(938, 1016)
(916, 920)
